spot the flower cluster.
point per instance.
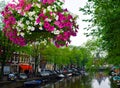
(21, 18)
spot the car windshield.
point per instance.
(11, 75)
(22, 74)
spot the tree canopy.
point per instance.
(105, 25)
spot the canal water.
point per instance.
(95, 81)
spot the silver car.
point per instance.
(22, 76)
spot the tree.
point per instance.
(66, 56)
(105, 25)
(36, 50)
(57, 56)
(6, 49)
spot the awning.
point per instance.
(25, 67)
(116, 67)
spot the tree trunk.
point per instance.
(36, 64)
(2, 69)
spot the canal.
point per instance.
(98, 80)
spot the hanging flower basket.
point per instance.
(27, 20)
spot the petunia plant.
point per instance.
(28, 20)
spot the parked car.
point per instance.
(75, 72)
(22, 76)
(47, 75)
(44, 73)
(67, 72)
(59, 74)
(12, 77)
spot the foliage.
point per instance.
(105, 25)
(7, 48)
(30, 20)
(78, 56)
(56, 55)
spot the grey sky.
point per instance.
(73, 6)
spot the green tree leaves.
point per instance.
(105, 25)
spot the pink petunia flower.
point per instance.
(50, 1)
(51, 28)
(13, 6)
(46, 25)
(38, 20)
(28, 7)
(44, 1)
(59, 24)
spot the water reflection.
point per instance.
(72, 82)
(96, 81)
(103, 84)
(101, 81)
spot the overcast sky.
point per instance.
(73, 6)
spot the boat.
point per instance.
(32, 83)
(116, 79)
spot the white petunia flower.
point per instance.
(36, 16)
(33, 4)
(38, 5)
(25, 14)
(21, 20)
(31, 18)
(19, 11)
(22, 25)
(48, 20)
(32, 28)
(53, 14)
(55, 10)
(71, 20)
(31, 13)
(29, 27)
(18, 23)
(44, 11)
(35, 23)
(56, 32)
(27, 22)
(63, 12)
(40, 23)
(32, 23)
(56, 17)
(18, 33)
(22, 34)
(49, 8)
(40, 28)
(18, 29)
(54, 6)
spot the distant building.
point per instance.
(19, 62)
